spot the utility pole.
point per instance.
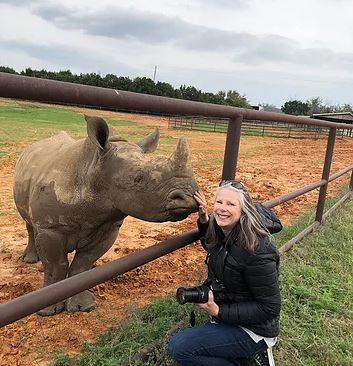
(154, 75)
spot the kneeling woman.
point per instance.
(241, 257)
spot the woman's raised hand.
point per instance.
(201, 200)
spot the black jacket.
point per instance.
(251, 281)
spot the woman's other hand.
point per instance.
(211, 307)
(201, 200)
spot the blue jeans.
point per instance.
(213, 344)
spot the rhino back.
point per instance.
(48, 163)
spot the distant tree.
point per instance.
(347, 108)
(124, 83)
(340, 108)
(190, 93)
(114, 82)
(236, 100)
(92, 78)
(165, 89)
(65, 75)
(315, 105)
(295, 107)
(208, 97)
(28, 72)
(143, 85)
(8, 70)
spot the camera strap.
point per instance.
(192, 318)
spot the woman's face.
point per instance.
(227, 210)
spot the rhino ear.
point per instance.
(149, 143)
(97, 131)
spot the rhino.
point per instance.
(75, 194)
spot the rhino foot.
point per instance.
(84, 301)
(30, 257)
(52, 309)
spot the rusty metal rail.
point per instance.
(52, 91)
(41, 90)
(39, 299)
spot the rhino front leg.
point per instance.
(84, 260)
(50, 246)
(30, 254)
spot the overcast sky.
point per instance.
(271, 51)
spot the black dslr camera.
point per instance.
(199, 294)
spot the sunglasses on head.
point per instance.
(233, 183)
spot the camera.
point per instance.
(199, 294)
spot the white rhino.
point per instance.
(75, 194)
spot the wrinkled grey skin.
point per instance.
(75, 194)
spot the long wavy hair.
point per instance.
(249, 228)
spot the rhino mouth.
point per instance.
(180, 213)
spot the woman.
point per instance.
(241, 257)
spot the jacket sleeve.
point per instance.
(261, 277)
(202, 231)
(269, 219)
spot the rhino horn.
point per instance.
(181, 157)
(150, 142)
(97, 131)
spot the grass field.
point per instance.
(17, 125)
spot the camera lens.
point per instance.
(194, 295)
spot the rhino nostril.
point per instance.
(177, 195)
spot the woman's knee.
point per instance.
(178, 346)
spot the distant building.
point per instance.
(341, 117)
(257, 107)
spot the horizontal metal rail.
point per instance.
(53, 91)
(294, 194)
(39, 299)
(307, 188)
(289, 244)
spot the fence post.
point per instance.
(232, 147)
(325, 174)
(351, 182)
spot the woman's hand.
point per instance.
(211, 307)
(201, 200)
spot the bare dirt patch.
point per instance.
(268, 166)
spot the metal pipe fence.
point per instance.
(254, 128)
(50, 91)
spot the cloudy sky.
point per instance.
(270, 51)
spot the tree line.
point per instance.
(148, 86)
(313, 106)
(138, 85)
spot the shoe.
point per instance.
(264, 358)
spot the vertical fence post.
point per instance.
(232, 147)
(325, 174)
(351, 182)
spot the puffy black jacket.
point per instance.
(251, 282)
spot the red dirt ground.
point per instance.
(268, 166)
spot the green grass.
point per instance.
(317, 307)
(145, 327)
(317, 292)
(21, 125)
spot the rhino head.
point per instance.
(130, 182)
